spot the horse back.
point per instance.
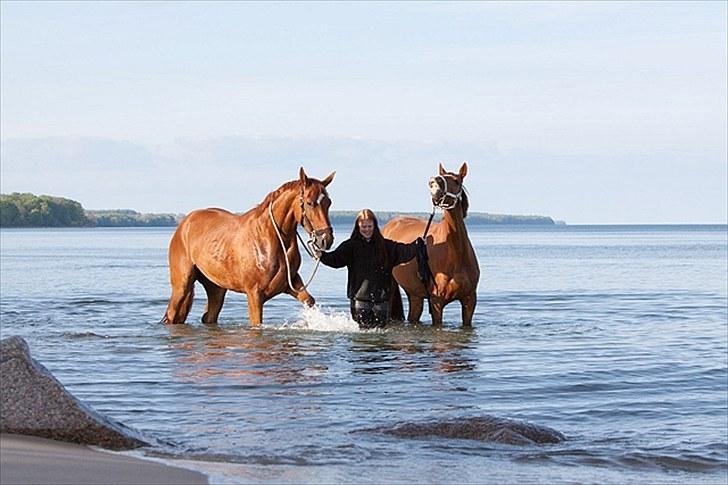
(202, 224)
(210, 240)
(404, 229)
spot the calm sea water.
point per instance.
(615, 336)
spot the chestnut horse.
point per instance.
(224, 251)
(451, 256)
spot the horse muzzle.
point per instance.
(323, 238)
(436, 191)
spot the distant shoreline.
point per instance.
(29, 210)
(130, 218)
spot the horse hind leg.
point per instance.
(180, 302)
(182, 279)
(215, 299)
(396, 310)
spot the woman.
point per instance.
(369, 258)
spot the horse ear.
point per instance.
(302, 177)
(328, 179)
(440, 170)
(463, 170)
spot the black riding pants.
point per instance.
(369, 313)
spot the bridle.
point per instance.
(441, 204)
(310, 246)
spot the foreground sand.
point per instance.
(27, 459)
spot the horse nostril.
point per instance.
(327, 240)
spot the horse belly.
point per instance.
(226, 268)
(406, 276)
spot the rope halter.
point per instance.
(446, 194)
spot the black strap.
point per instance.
(423, 261)
(427, 227)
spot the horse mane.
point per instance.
(274, 195)
(464, 203)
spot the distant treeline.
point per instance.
(130, 218)
(28, 210)
(474, 218)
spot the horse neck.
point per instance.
(453, 225)
(283, 213)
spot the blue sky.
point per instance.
(587, 112)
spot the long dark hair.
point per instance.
(377, 238)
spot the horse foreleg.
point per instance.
(437, 305)
(301, 294)
(416, 304)
(255, 308)
(468, 308)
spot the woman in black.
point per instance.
(369, 258)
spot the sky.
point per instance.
(588, 112)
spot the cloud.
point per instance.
(236, 172)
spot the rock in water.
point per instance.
(484, 428)
(33, 402)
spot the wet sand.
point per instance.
(27, 459)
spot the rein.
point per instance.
(423, 266)
(285, 253)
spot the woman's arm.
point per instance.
(339, 257)
(401, 252)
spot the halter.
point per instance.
(311, 241)
(310, 246)
(455, 197)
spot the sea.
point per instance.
(615, 336)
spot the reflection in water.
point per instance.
(409, 347)
(249, 356)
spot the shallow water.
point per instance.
(614, 336)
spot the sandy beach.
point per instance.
(31, 460)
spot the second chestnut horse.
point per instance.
(245, 253)
(451, 256)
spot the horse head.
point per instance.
(312, 211)
(447, 189)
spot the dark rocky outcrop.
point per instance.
(33, 402)
(484, 428)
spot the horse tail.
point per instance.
(396, 310)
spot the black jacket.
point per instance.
(368, 278)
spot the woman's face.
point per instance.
(366, 228)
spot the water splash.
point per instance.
(322, 320)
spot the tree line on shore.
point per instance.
(29, 210)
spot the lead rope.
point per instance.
(427, 227)
(424, 237)
(285, 253)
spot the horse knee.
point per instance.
(305, 298)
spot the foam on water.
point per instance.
(322, 320)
